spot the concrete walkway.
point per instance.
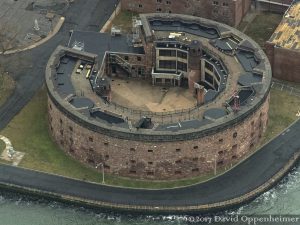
(9, 154)
(244, 182)
(7, 143)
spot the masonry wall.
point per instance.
(158, 160)
(277, 8)
(241, 7)
(137, 62)
(284, 62)
(229, 12)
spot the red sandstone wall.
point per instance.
(151, 6)
(265, 6)
(241, 9)
(230, 14)
(285, 63)
(269, 50)
(152, 160)
(247, 5)
(272, 8)
(136, 61)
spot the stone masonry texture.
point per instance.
(158, 160)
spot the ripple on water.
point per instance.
(281, 198)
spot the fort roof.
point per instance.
(99, 43)
(287, 34)
(241, 66)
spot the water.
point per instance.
(18, 209)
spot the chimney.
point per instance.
(200, 94)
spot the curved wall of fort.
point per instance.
(163, 159)
(228, 73)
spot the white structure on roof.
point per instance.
(36, 25)
(77, 45)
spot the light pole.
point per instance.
(214, 162)
(215, 166)
(102, 166)
(116, 9)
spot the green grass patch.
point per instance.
(7, 86)
(282, 112)
(28, 132)
(262, 27)
(2, 146)
(242, 25)
(124, 21)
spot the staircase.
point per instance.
(116, 59)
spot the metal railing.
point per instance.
(161, 117)
(157, 136)
(284, 87)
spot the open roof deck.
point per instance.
(287, 34)
(246, 70)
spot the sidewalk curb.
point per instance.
(111, 18)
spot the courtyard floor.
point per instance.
(141, 95)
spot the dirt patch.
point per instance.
(141, 95)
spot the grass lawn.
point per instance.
(242, 25)
(282, 112)
(124, 21)
(2, 146)
(28, 133)
(262, 27)
(7, 86)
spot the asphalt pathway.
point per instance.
(247, 176)
(28, 68)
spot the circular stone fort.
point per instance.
(179, 97)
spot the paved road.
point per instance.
(27, 68)
(244, 178)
